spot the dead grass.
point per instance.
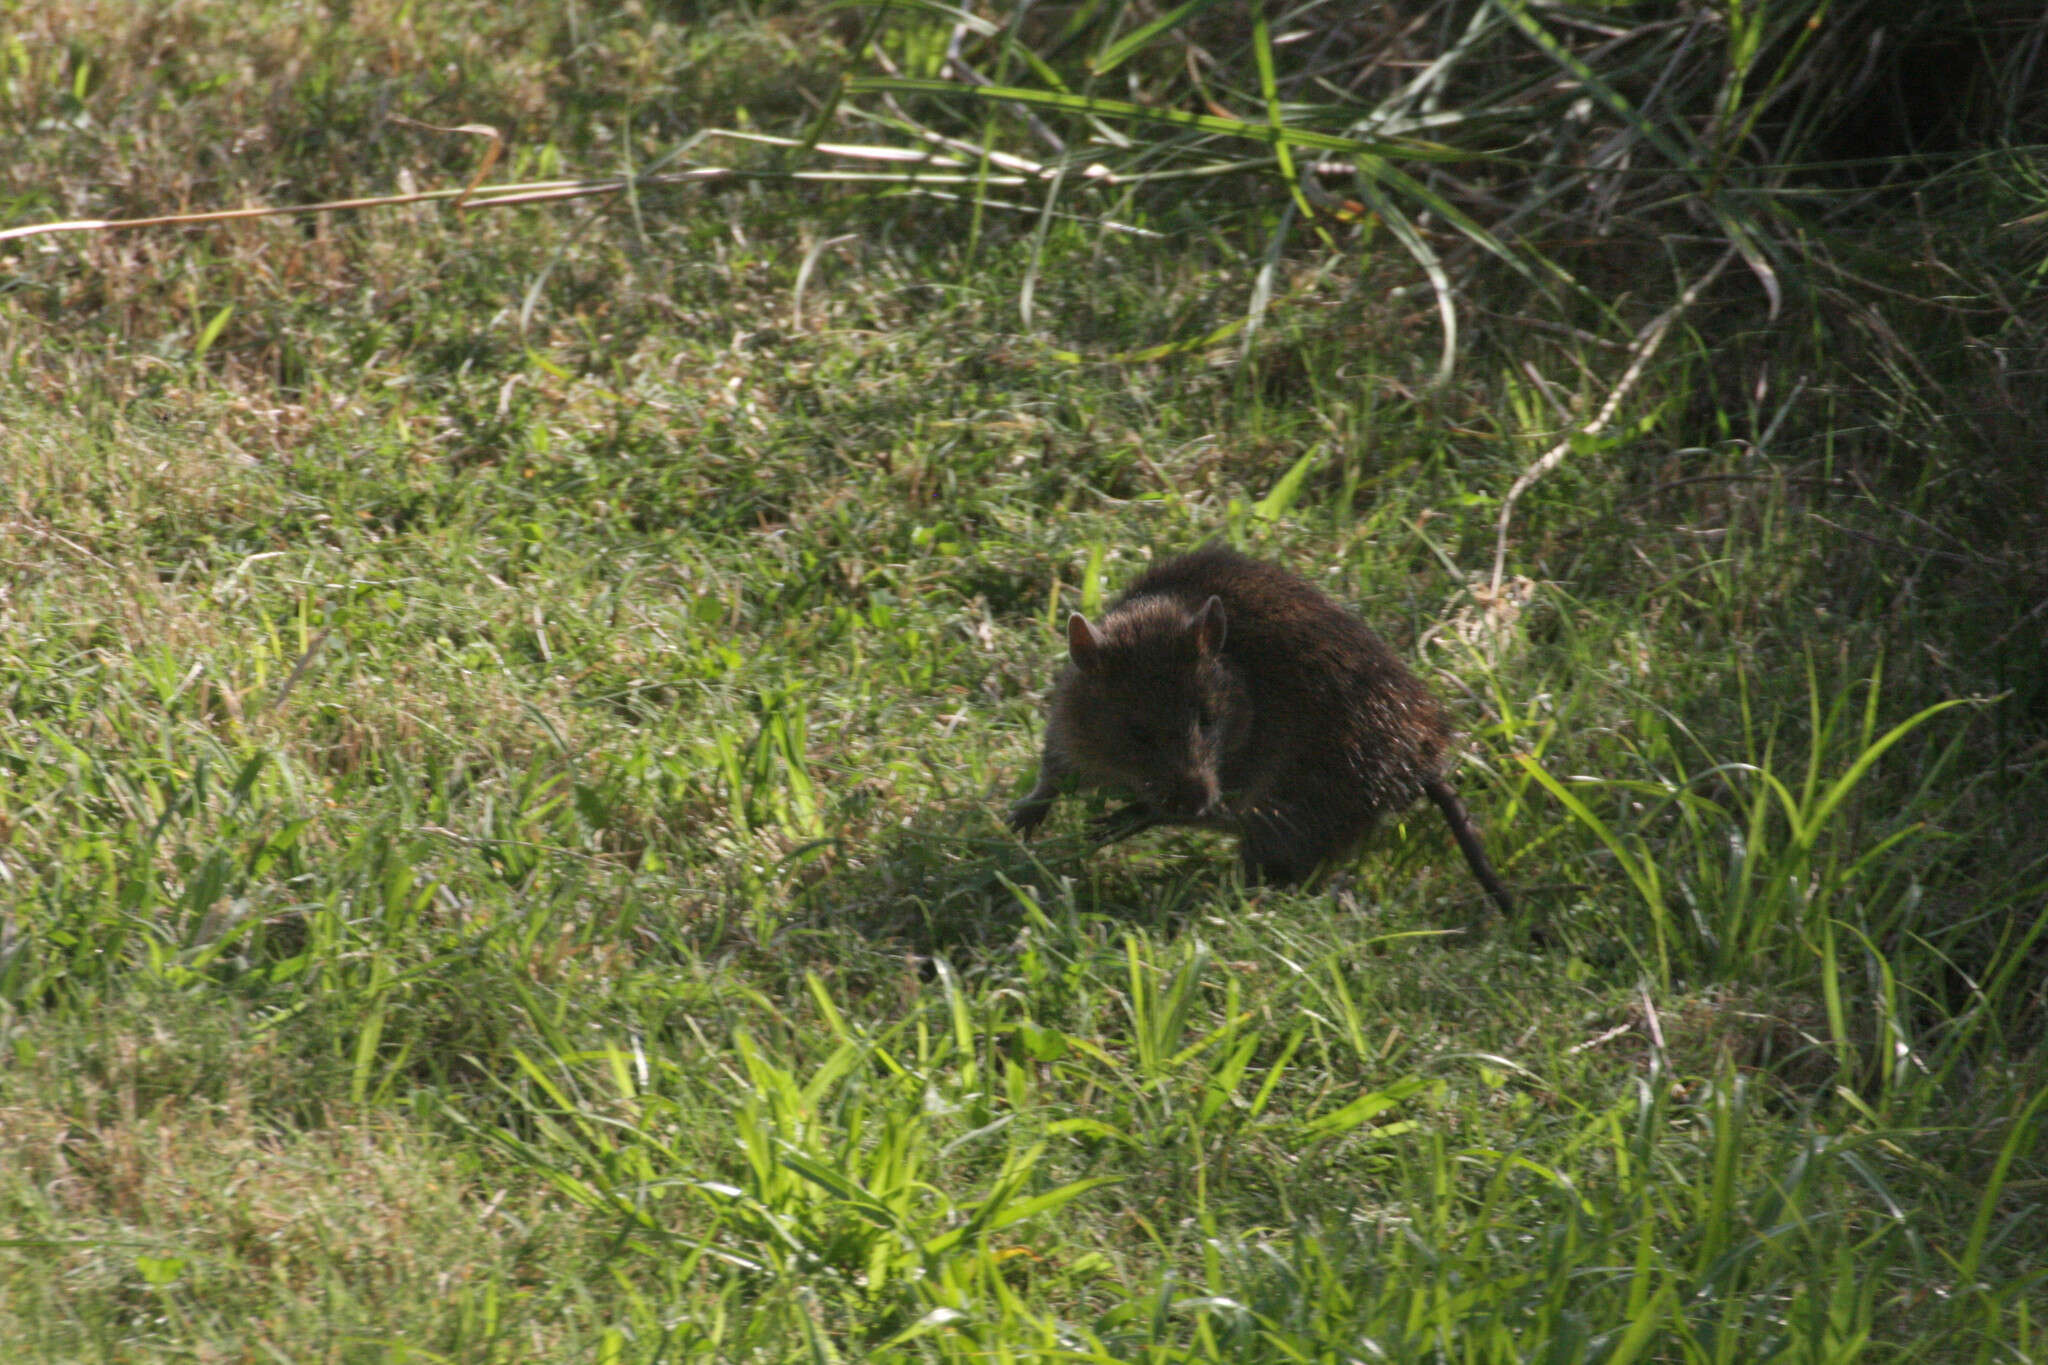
(238, 1214)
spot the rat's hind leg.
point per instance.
(1275, 859)
(1289, 844)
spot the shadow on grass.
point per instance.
(955, 884)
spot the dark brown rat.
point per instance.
(1232, 695)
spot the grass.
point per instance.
(499, 853)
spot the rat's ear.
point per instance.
(1084, 642)
(1208, 628)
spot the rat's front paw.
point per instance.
(1026, 816)
(1122, 823)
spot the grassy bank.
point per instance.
(505, 718)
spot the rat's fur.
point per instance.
(1232, 695)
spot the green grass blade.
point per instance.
(1121, 51)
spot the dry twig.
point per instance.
(1645, 346)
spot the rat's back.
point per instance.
(1302, 652)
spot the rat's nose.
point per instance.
(1186, 794)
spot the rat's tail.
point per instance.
(1467, 835)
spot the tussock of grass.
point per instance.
(498, 854)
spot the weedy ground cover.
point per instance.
(505, 715)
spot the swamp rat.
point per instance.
(1232, 695)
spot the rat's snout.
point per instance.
(1184, 794)
(1198, 793)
